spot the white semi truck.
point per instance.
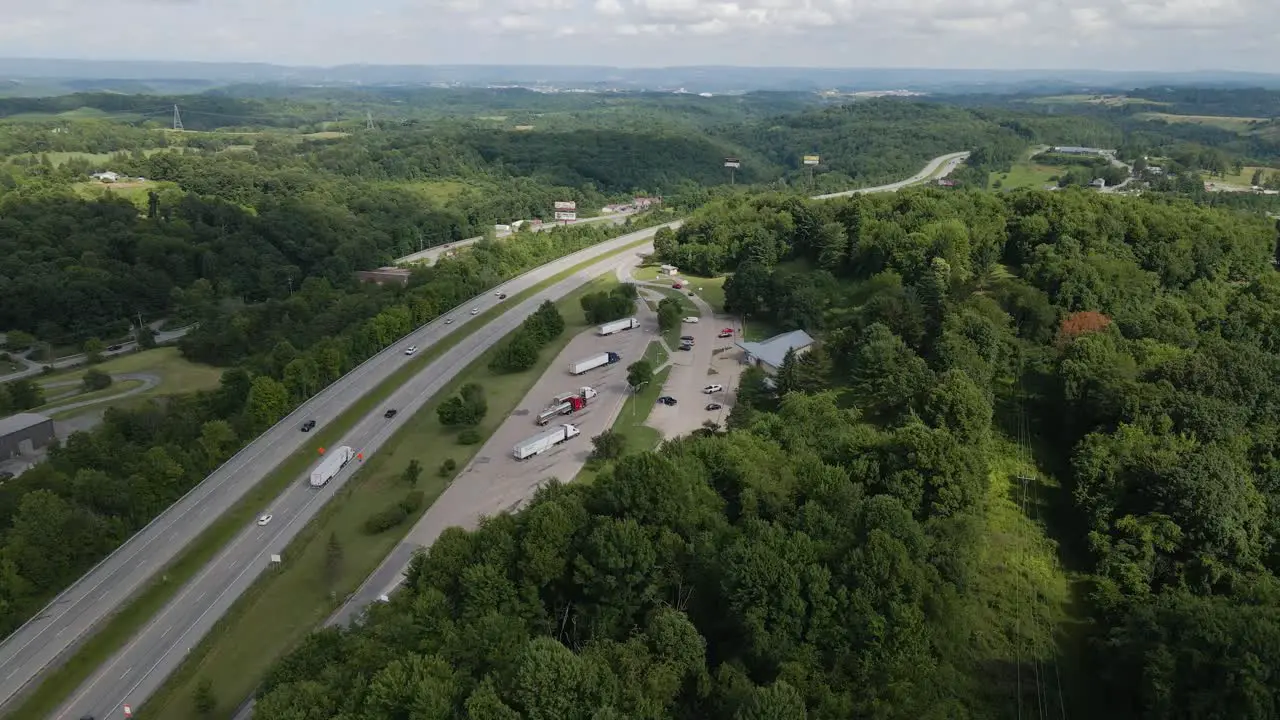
(334, 460)
(618, 326)
(593, 362)
(541, 443)
(586, 393)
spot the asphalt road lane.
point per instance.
(67, 620)
(135, 672)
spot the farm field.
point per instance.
(1222, 122)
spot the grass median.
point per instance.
(630, 422)
(58, 685)
(283, 606)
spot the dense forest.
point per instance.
(1101, 368)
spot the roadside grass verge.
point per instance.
(710, 289)
(116, 388)
(119, 628)
(283, 606)
(630, 422)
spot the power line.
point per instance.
(177, 119)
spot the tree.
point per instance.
(520, 353)
(670, 314)
(93, 348)
(95, 379)
(1081, 323)
(608, 445)
(466, 409)
(268, 402)
(145, 336)
(18, 340)
(204, 700)
(639, 373)
(411, 473)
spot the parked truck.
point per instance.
(541, 443)
(334, 461)
(593, 362)
(618, 326)
(586, 393)
(568, 407)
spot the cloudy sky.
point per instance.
(1116, 34)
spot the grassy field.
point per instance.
(1243, 178)
(439, 191)
(709, 289)
(149, 601)
(177, 374)
(136, 192)
(61, 158)
(635, 412)
(116, 388)
(1224, 122)
(279, 610)
(1025, 173)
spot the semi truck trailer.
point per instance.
(593, 362)
(334, 461)
(618, 326)
(544, 442)
(586, 393)
(568, 407)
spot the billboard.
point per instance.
(810, 159)
(732, 163)
(569, 206)
(562, 215)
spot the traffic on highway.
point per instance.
(139, 668)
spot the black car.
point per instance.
(389, 414)
(686, 346)
(667, 400)
(114, 348)
(502, 296)
(687, 338)
(714, 406)
(308, 425)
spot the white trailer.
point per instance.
(618, 326)
(334, 460)
(593, 362)
(541, 443)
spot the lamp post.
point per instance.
(635, 390)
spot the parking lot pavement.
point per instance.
(494, 480)
(713, 361)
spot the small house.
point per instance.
(769, 354)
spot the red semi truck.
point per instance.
(568, 407)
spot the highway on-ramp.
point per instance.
(72, 616)
(141, 667)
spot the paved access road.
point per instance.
(71, 616)
(35, 368)
(937, 167)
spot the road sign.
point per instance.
(730, 162)
(570, 206)
(810, 159)
(566, 215)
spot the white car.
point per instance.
(691, 319)
(411, 350)
(712, 389)
(448, 321)
(475, 311)
(264, 520)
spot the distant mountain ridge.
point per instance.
(127, 76)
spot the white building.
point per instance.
(106, 177)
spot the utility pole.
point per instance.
(177, 119)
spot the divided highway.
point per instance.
(137, 670)
(72, 616)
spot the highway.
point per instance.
(431, 254)
(70, 617)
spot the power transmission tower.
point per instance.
(177, 118)
(368, 121)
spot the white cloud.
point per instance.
(1117, 34)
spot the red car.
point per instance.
(677, 285)
(727, 332)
